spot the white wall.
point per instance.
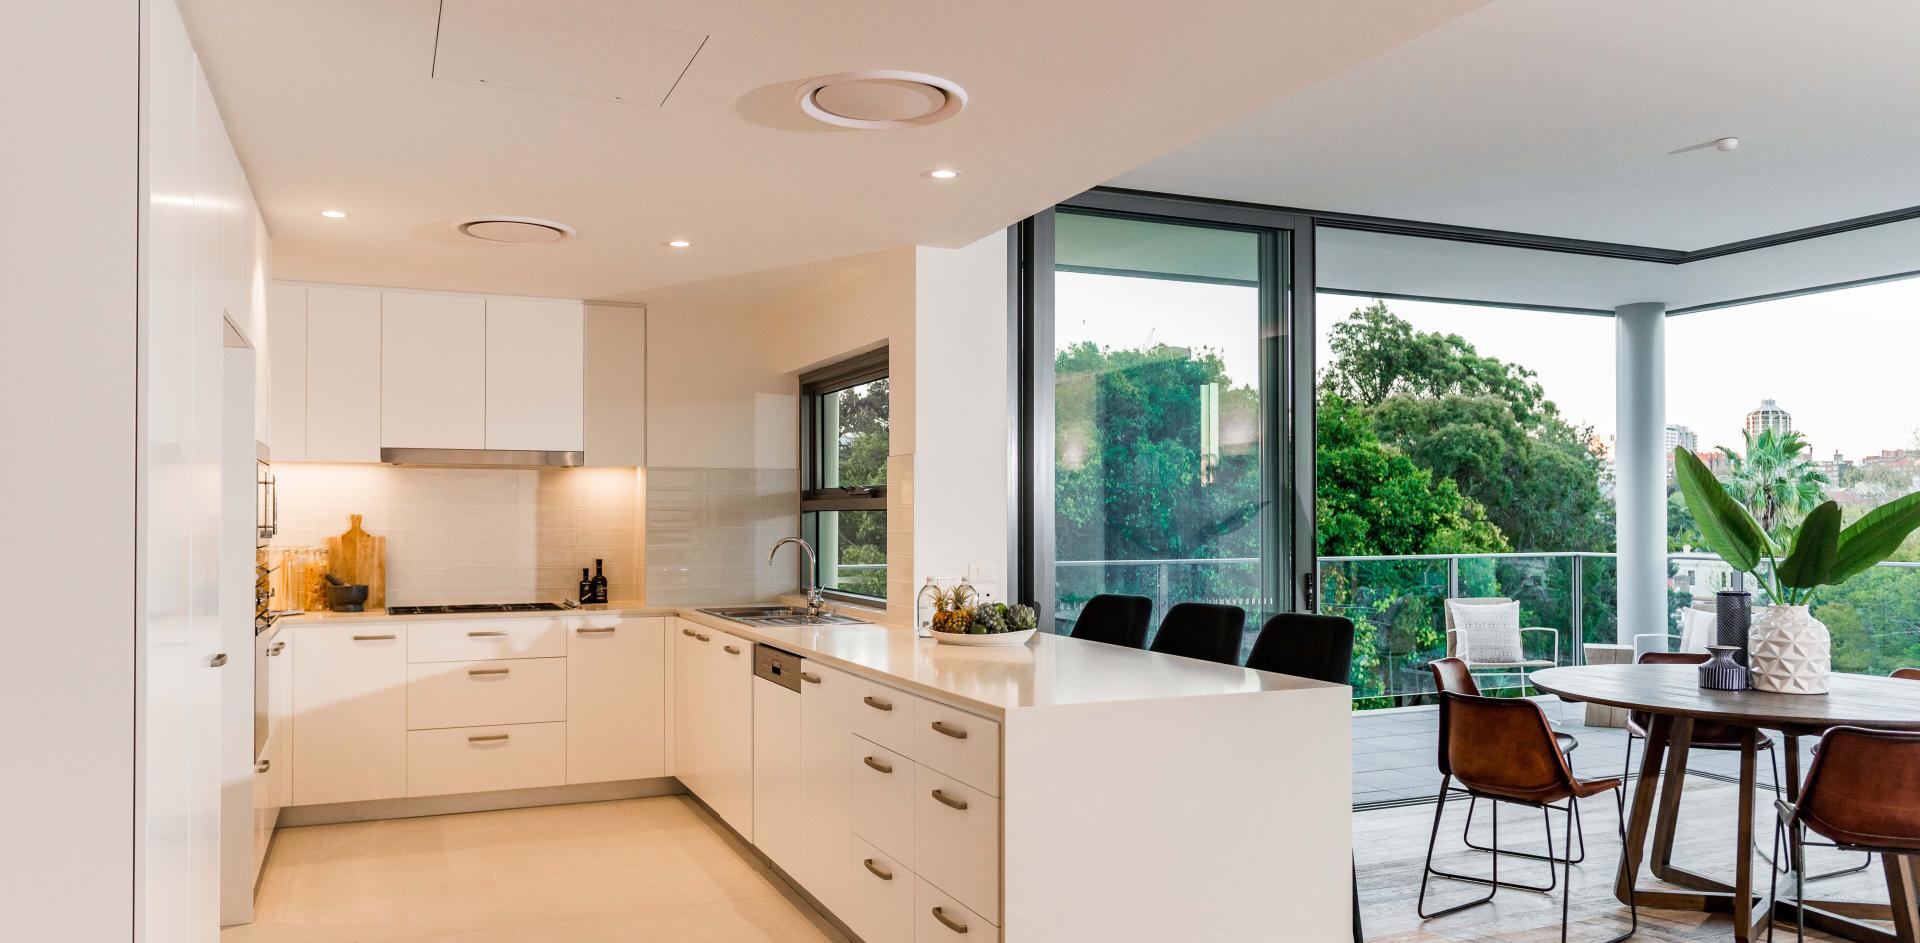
(960, 456)
(69, 177)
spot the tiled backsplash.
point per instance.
(707, 531)
(475, 535)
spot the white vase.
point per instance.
(1790, 652)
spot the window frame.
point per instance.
(815, 386)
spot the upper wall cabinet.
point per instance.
(535, 374)
(343, 374)
(433, 370)
(359, 369)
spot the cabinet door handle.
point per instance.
(940, 914)
(485, 634)
(277, 648)
(876, 764)
(956, 733)
(586, 631)
(732, 650)
(373, 638)
(687, 632)
(263, 766)
(487, 671)
(879, 872)
(877, 704)
(810, 679)
(217, 660)
(949, 801)
(486, 737)
(702, 637)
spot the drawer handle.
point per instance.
(878, 704)
(949, 801)
(876, 764)
(879, 872)
(374, 638)
(277, 648)
(732, 651)
(487, 671)
(485, 634)
(217, 661)
(487, 738)
(701, 637)
(810, 679)
(687, 632)
(609, 630)
(940, 914)
(263, 766)
(940, 726)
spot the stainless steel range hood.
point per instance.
(483, 458)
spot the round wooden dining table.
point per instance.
(1673, 699)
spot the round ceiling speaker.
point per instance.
(514, 230)
(881, 98)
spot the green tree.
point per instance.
(864, 443)
(1775, 477)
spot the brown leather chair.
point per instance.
(1503, 750)
(1452, 675)
(1861, 794)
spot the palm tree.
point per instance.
(1775, 477)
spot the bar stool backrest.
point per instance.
(1115, 619)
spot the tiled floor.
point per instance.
(1393, 752)
(633, 871)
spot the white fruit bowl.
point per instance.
(997, 638)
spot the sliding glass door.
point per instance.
(1158, 415)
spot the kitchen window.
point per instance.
(843, 469)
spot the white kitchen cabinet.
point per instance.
(456, 760)
(280, 717)
(713, 721)
(690, 641)
(350, 713)
(940, 918)
(826, 699)
(882, 891)
(287, 387)
(615, 411)
(433, 370)
(956, 834)
(882, 797)
(534, 374)
(777, 797)
(343, 374)
(482, 693)
(616, 702)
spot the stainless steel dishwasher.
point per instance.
(776, 755)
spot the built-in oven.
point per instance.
(266, 501)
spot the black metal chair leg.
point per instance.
(1566, 894)
(1439, 809)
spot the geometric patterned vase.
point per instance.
(1791, 652)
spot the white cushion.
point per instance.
(1490, 632)
(1697, 629)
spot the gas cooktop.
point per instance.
(475, 607)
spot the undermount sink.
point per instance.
(780, 615)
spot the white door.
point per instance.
(350, 713)
(776, 773)
(825, 730)
(343, 374)
(433, 370)
(689, 683)
(616, 703)
(729, 730)
(535, 374)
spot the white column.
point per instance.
(1640, 471)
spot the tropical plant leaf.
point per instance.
(1816, 544)
(1875, 536)
(1728, 528)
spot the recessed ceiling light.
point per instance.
(1726, 144)
(514, 230)
(679, 243)
(943, 174)
(334, 214)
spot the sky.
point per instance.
(1840, 362)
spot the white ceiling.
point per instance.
(1556, 117)
(331, 104)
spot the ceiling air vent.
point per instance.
(514, 230)
(881, 98)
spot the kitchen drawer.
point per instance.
(483, 759)
(959, 744)
(956, 840)
(880, 897)
(479, 639)
(939, 918)
(473, 693)
(883, 715)
(882, 795)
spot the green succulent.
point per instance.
(1020, 618)
(989, 619)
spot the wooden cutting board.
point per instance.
(359, 557)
